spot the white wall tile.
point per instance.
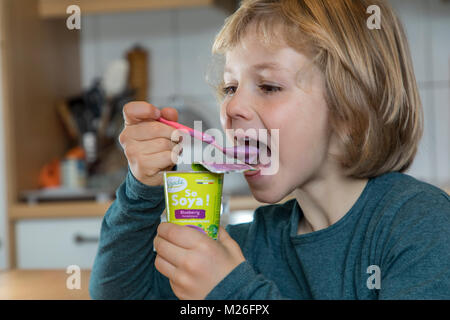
(422, 167)
(440, 29)
(414, 15)
(427, 24)
(441, 97)
(179, 42)
(114, 34)
(89, 50)
(197, 31)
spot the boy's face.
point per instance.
(273, 88)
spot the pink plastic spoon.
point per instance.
(249, 152)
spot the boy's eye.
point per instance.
(229, 90)
(269, 88)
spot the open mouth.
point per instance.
(262, 159)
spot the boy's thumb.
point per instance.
(230, 245)
(225, 238)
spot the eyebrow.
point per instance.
(262, 66)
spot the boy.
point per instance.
(345, 101)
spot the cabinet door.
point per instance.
(57, 243)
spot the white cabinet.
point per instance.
(57, 243)
(440, 44)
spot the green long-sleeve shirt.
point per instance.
(394, 243)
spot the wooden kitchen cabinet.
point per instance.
(41, 64)
(57, 8)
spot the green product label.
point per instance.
(194, 199)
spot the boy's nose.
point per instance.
(239, 108)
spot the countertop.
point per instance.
(21, 284)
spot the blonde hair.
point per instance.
(371, 91)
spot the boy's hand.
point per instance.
(147, 143)
(193, 262)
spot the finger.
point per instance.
(138, 111)
(181, 236)
(152, 163)
(158, 145)
(149, 167)
(149, 130)
(169, 114)
(164, 267)
(177, 135)
(151, 146)
(177, 151)
(168, 251)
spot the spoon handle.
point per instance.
(194, 133)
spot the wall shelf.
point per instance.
(56, 210)
(83, 209)
(57, 8)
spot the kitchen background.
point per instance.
(54, 234)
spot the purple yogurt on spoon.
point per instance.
(246, 153)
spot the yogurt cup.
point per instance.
(194, 199)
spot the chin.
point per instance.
(268, 188)
(268, 195)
